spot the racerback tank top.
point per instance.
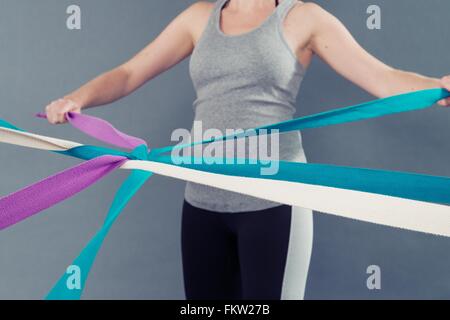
(244, 81)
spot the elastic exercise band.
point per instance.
(403, 200)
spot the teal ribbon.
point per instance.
(6, 124)
(137, 178)
(413, 186)
(373, 109)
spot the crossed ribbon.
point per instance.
(397, 199)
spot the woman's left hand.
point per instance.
(445, 83)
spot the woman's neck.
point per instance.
(250, 5)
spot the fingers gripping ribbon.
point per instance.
(397, 199)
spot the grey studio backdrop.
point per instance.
(40, 60)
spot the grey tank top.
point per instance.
(244, 81)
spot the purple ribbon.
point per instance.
(48, 192)
(101, 130)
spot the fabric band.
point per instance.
(402, 200)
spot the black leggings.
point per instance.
(233, 256)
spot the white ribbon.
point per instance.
(374, 208)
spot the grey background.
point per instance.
(41, 60)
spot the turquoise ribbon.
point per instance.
(85, 260)
(373, 109)
(413, 186)
(6, 124)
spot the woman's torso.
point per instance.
(244, 81)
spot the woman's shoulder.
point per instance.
(307, 13)
(199, 12)
(198, 15)
(307, 8)
(200, 8)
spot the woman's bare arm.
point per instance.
(173, 44)
(332, 42)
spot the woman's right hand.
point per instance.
(56, 110)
